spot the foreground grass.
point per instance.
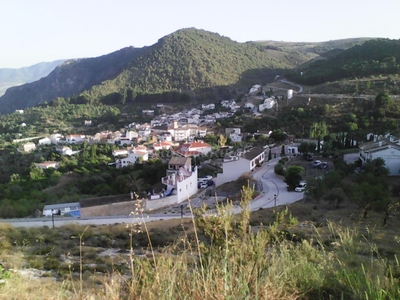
(220, 257)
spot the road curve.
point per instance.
(271, 185)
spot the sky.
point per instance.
(48, 30)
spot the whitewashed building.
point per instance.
(44, 141)
(48, 165)
(234, 166)
(181, 179)
(75, 138)
(387, 149)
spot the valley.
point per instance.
(136, 130)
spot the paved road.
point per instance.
(294, 84)
(272, 185)
(274, 192)
(60, 221)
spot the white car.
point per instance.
(203, 185)
(208, 177)
(301, 187)
(316, 163)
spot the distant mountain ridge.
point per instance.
(12, 77)
(68, 79)
(189, 60)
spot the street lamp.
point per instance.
(275, 199)
(55, 212)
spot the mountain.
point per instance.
(69, 78)
(192, 61)
(374, 57)
(13, 77)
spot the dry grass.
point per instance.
(313, 258)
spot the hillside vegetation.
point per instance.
(199, 63)
(68, 79)
(193, 59)
(374, 57)
(269, 254)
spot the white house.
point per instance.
(44, 141)
(202, 131)
(208, 106)
(249, 105)
(123, 141)
(235, 138)
(55, 138)
(180, 133)
(292, 149)
(131, 135)
(193, 149)
(48, 164)
(73, 209)
(75, 138)
(267, 104)
(28, 147)
(254, 88)
(132, 158)
(235, 166)
(162, 145)
(64, 150)
(388, 150)
(181, 179)
(120, 152)
(232, 130)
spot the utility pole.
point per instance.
(57, 212)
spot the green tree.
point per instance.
(335, 196)
(383, 102)
(278, 136)
(134, 183)
(318, 131)
(293, 176)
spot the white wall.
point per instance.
(232, 171)
(187, 187)
(162, 202)
(391, 157)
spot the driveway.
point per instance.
(274, 192)
(273, 185)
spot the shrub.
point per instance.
(283, 160)
(278, 169)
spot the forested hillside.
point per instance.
(68, 79)
(189, 62)
(374, 57)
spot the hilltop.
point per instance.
(203, 64)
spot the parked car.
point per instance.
(308, 157)
(316, 163)
(301, 187)
(324, 165)
(203, 185)
(208, 177)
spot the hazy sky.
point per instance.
(34, 31)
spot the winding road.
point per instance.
(271, 185)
